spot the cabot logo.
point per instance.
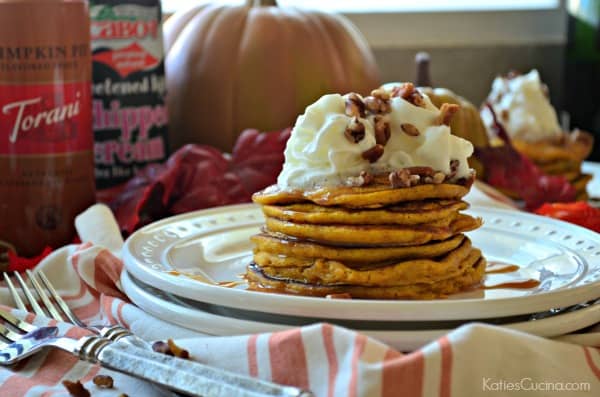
(109, 24)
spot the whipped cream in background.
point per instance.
(522, 107)
(319, 154)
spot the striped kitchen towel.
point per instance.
(473, 360)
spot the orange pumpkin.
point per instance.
(256, 66)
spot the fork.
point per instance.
(183, 376)
(114, 332)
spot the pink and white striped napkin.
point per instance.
(473, 360)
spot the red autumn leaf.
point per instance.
(198, 176)
(508, 169)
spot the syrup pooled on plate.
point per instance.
(517, 283)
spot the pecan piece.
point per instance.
(176, 350)
(380, 93)
(421, 170)
(76, 389)
(373, 154)
(438, 178)
(453, 168)
(410, 129)
(161, 347)
(404, 91)
(355, 107)
(355, 132)
(408, 92)
(447, 111)
(400, 178)
(383, 131)
(103, 381)
(372, 104)
(363, 179)
(505, 115)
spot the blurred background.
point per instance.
(472, 41)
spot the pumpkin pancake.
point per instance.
(327, 272)
(409, 213)
(372, 196)
(575, 147)
(268, 244)
(381, 235)
(582, 196)
(558, 167)
(471, 276)
(580, 183)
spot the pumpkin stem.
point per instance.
(261, 3)
(423, 77)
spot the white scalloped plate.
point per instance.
(214, 244)
(405, 336)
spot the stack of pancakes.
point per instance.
(562, 157)
(373, 241)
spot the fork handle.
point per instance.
(187, 377)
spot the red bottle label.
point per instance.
(45, 118)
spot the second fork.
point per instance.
(54, 311)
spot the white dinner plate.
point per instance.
(214, 245)
(405, 336)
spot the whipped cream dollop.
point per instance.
(319, 152)
(522, 106)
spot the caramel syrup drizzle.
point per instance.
(500, 267)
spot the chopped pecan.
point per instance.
(355, 107)
(373, 154)
(377, 105)
(410, 129)
(363, 179)
(400, 178)
(76, 389)
(176, 350)
(372, 104)
(103, 381)
(408, 92)
(421, 170)
(382, 130)
(380, 93)
(438, 178)
(505, 115)
(161, 347)
(447, 111)
(453, 168)
(355, 132)
(404, 91)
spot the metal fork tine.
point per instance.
(15, 322)
(30, 298)
(53, 310)
(9, 335)
(13, 292)
(61, 303)
(22, 327)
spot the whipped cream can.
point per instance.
(46, 141)
(129, 112)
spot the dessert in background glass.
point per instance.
(368, 202)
